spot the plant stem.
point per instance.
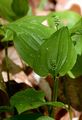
(70, 112)
(6, 55)
(55, 94)
(55, 90)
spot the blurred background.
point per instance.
(55, 5)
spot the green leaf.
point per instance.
(28, 99)
(28, 37)
(76, 33)
(8, 36)
(6, 10)
(77, 39)
(31, 99)
(30, 19)
(1, 31)
(57, 54)
(55, 104)
(20, 7)
(77, 69)
(45, 118)
(58, 51)
(13, 9)
(77, 28)
(25, 20)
